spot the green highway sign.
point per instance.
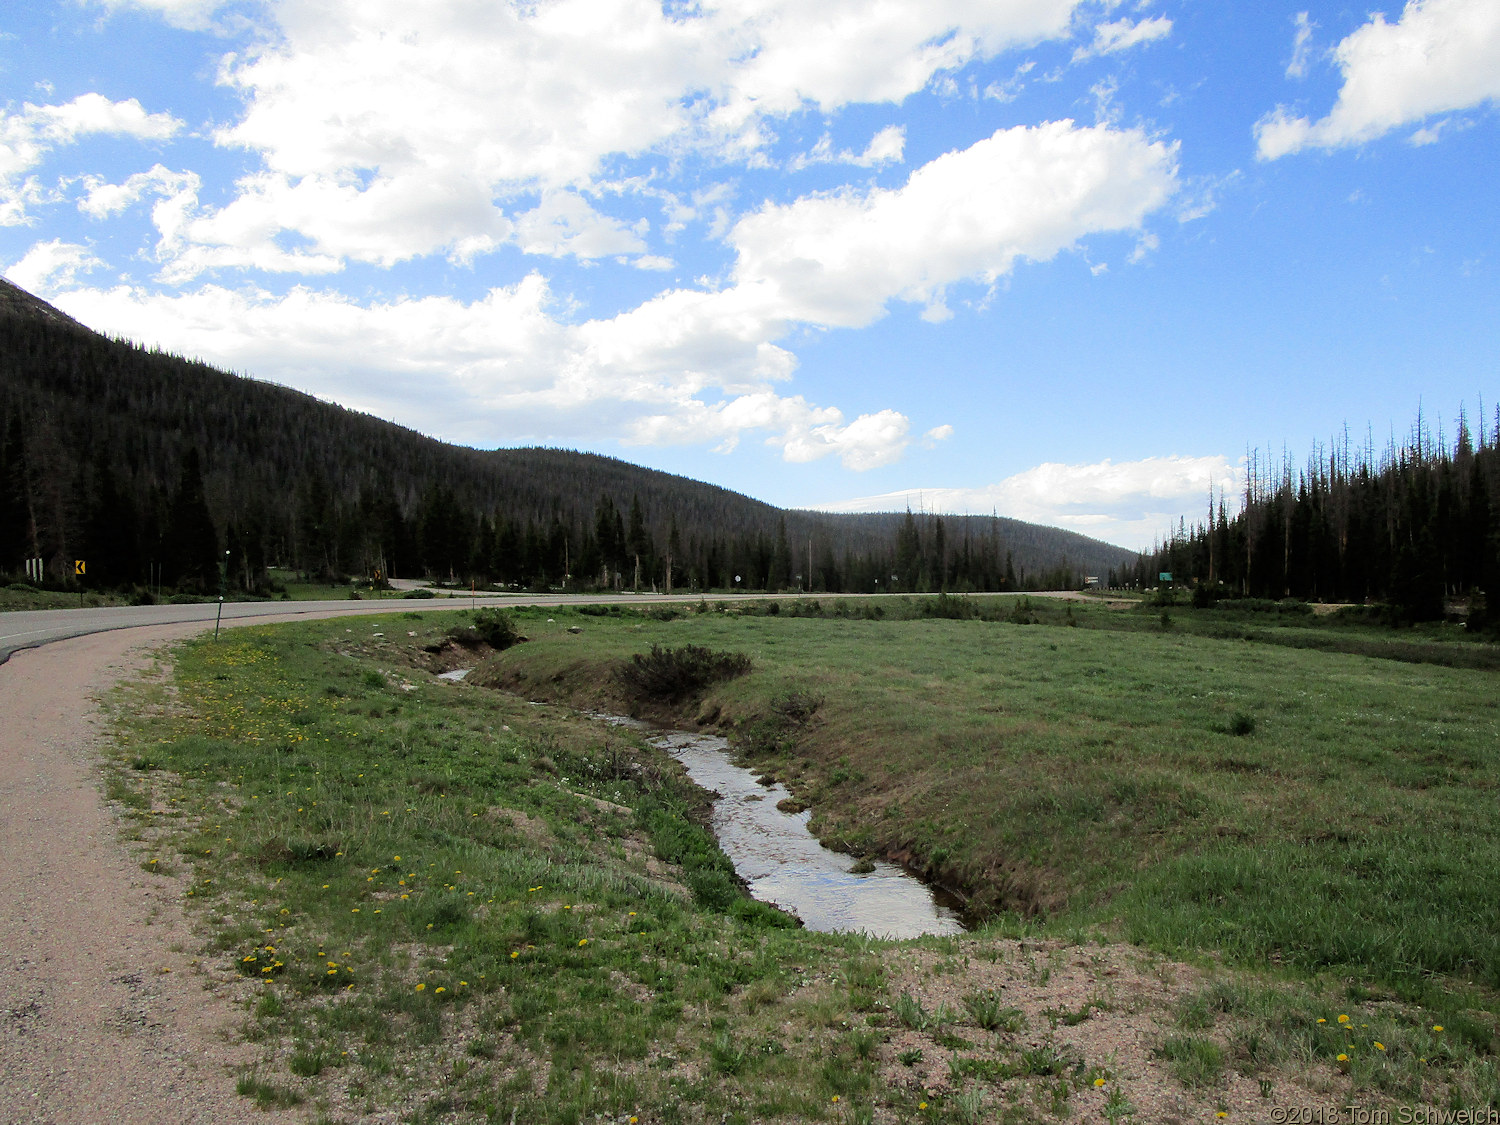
(1164, 576)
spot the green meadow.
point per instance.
(1195, 786)
(449, 903)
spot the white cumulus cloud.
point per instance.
(1301, 47)
(1442, 56)
(501, 369)
(1121, 35)
(1026, 192)
(192, 15)
(885, 147)
(695, 365)
(1131, 503)
(28, 136)
(54, 263)
(564, 223)
(388, 130)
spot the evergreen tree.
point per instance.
(779, 574)
(17, 531)
(908, 554)
(110, 544)
(638, 546)
(191, 544)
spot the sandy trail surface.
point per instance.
(105, 1018)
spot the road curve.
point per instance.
(31, 628)
(22, 629)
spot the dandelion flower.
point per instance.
(921, 1105)
(1379, 1046)
(582, 942)
(1322, 1020)
(421, 988)
(439, 988)
(1098, 1082)
(1343, 1058)
(514, 954)
(1222, 1113)
(1437, 1027)
(1343, 1019)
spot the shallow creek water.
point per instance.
(783, 862)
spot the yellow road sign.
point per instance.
(77, 566)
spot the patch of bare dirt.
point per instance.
(1106, 1008)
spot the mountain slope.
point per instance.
(137, 457)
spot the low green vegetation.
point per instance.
(446, 899)
(23, 595)
(1285, 788)
(1272, 800)
(459, 902)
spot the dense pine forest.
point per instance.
(1413, 528)
(152, 468)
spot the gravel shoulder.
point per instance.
(106, 1017)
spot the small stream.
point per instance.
(784, 864)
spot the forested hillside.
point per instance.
(142, 462)
(1412, 527)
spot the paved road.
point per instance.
(35, 627)
(31, 628)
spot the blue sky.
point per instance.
(1068, 261)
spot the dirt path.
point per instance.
(105, 1018)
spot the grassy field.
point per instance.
(1278, 802)
(1306, 815)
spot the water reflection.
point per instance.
(783, 862)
